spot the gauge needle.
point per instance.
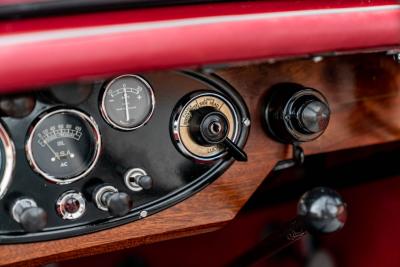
(126, 104)
(51, 149)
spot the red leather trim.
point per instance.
(39, 58)
(172, 13)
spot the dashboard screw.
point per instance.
(246, 122)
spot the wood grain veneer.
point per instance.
(363, 92)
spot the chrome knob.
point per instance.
(322, 210)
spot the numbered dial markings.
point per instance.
(181, 131)
(127, 102)
(64, 145)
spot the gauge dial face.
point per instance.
(7, 161)
(181, 120)
(64, 145)
(127, 102)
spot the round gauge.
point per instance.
(182, 120)
(64, 145)
(127, 102)
(7, 161)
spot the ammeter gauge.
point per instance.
(64, 145)
(127, 102)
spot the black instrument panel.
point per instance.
(132, 174)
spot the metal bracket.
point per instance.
(297, 160)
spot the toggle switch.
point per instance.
(108, 198)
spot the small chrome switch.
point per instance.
(137, 179)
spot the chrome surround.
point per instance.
(103, 109)
(134, 173)
(176, 117)
(92, 123)
(61, 202)
(9, 158)
(19, 206)
(99, 195)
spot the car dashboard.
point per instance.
(129, 123)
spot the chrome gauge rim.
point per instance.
(176, 118)
(96, 154)
(103, 109)
(9, 158)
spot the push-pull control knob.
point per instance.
(31, 217)
(108, 198)
(208, 126)
(294, 113)
(322, 210)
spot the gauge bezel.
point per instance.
(9, 157)
(96, 133)
(103, 109)
(176, 117)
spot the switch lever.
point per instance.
(236, 152)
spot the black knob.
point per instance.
(209, 126)
(119, 204)
(144, 181)
(294, 113)
(314, 116)
(322, 210)
(31, 217)
(108, 198)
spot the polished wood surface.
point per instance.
(363, 92)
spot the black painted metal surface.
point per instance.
(150, 147)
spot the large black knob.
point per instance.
(108, 198)
(322, 210)
(31, 217)
(294, 113)
(208, 126)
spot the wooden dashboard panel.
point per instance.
(363, 92)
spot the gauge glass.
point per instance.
(64, 145)
(7, 161)
(127, 102)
